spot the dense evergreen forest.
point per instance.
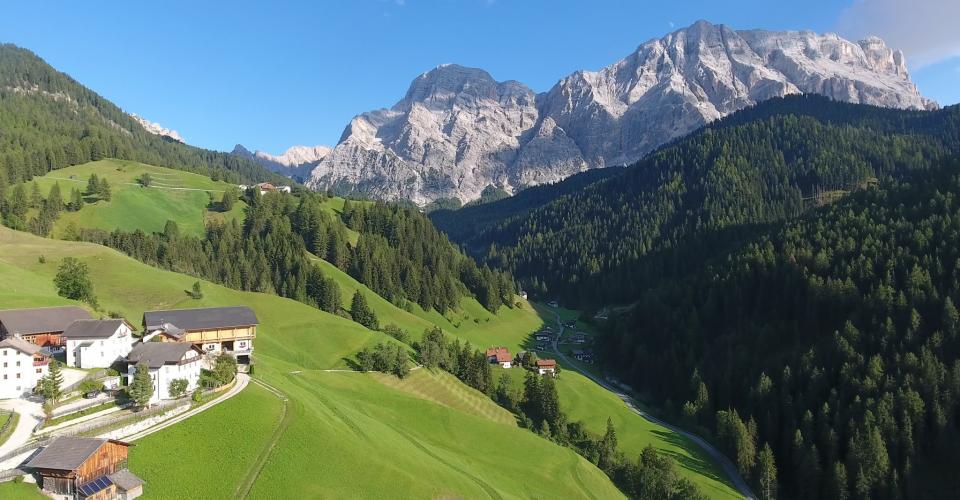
(467, 225)
(834, 339)
(762, 165)
(50, 121)
(398, 254)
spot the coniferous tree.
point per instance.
(141, 388)
(361, 313)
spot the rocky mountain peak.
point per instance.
(457, 130)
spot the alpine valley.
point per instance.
(726, 266)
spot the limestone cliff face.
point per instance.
(458, 130)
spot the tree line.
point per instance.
(770, 163)
(537, 405)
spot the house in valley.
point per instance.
(546, 366)
(584, 355)
(266, 187)
(22, 365)
(86, 468)
(213, 330)
(166, 362)
(42, 326)
(97, 343)
(500, 355)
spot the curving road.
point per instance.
(241, 383)
(720, 458)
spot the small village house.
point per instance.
(500, 355)
(545, 366)
(42, 326)
(585, 355)
(266, 187)
(22, 365)
(213, 330)
(86, 468)
(166, 362)
(97, 343)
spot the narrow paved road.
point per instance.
(725, 463)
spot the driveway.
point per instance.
(31, 414)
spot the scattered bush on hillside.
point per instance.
(73, 281)
(386, 358)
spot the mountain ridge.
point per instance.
(458, 131)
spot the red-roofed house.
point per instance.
(545, 366)
(500, 355)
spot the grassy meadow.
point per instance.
(350, 434)
(218, 456)
(175, 195)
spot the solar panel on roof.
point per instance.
(99, 484)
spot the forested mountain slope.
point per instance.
(834, 337)
(468, 225)
(762, 165)
(49, 120)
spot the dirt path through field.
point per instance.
(286, 416)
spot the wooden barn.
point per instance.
(42, 326)
(86, 468)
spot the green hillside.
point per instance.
(50, 121)
(349, 434)
(182, 197)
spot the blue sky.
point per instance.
(273, 75)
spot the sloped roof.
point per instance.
(201, 319)
(93, 328)
(41, 320)
(68, 452)
(546, 363)
(502, 354)
(157, 354)
(20, 345)
(125, 480)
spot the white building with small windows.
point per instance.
(22, 365)
(166, 362)
(97, 343)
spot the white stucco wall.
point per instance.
(103, 352)
(163, 376)
(17, 373)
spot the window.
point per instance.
(39, 370)
(18, 375)
(4, 363)
(4, 376)
(18, 363)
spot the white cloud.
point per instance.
(925, 30)
(672, 24)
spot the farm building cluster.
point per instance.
(501, 356)
(265, 187)
(173, 346)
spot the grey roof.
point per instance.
(41, 320)
(20, 345)
(201, 319)
(92, 328)
(157, 354)
(125, 480)
(67, 453)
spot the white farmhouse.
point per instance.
(166, 361)
(21, 367)
(97, 343)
